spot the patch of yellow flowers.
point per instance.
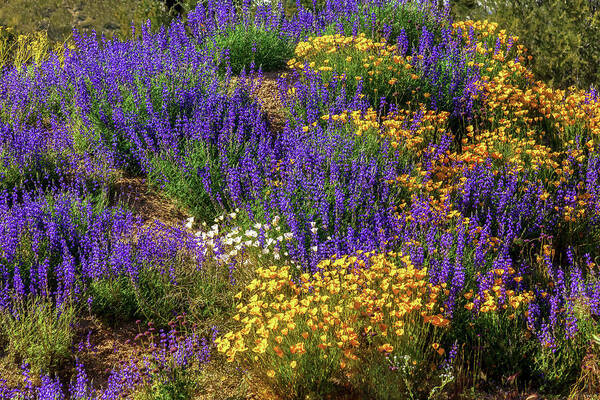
(334, 316)
(358, 58)
(406, 129)
(330, 44)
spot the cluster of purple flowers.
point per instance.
(55, 243)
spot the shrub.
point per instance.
(18, 50)
(159, 296)
(250, 47)
(114, 299)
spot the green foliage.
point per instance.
(152, 295)
(188, 187)
(114, 299)
(181, 388)
(268, 50)
(495, 346)
(558, 367)
(157, 296)
(563, 36)
(38, 332)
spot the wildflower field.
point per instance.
(358, 199)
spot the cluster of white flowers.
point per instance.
(229, 242)
(262, 3)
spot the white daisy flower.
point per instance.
(189, 223)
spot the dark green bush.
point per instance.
(254, 44)
(153, 297)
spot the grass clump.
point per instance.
(159, 296)
(178, 388)
(38, 332)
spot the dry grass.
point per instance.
(109, 346)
